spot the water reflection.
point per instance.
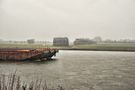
(29, 61)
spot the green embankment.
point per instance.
(109, 46)
(23, 46)
(100, 47)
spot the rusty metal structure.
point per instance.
(26, 53)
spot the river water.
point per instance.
(80, 70)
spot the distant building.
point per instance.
(60, 41)
(83, 41)
(31, 41)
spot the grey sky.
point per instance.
(45, 19)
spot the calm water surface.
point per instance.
(99, 70)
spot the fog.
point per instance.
(45, 19)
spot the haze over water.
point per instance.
(101, 70)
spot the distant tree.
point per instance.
(1, 40)
(31, 41)
(98, 39)
(108, 41)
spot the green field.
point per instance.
(23, 46)
(108, 46)
(101, 46)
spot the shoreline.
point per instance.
(79, 49)
(127, 47)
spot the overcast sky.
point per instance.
(45, 19)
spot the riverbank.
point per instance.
(103, 47)
(14, 82)
(80, 49)
(91, 47)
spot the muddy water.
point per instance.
(98, 70)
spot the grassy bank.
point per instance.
(14, 82)
(95, 47)
(23, 46)
(107, 47)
